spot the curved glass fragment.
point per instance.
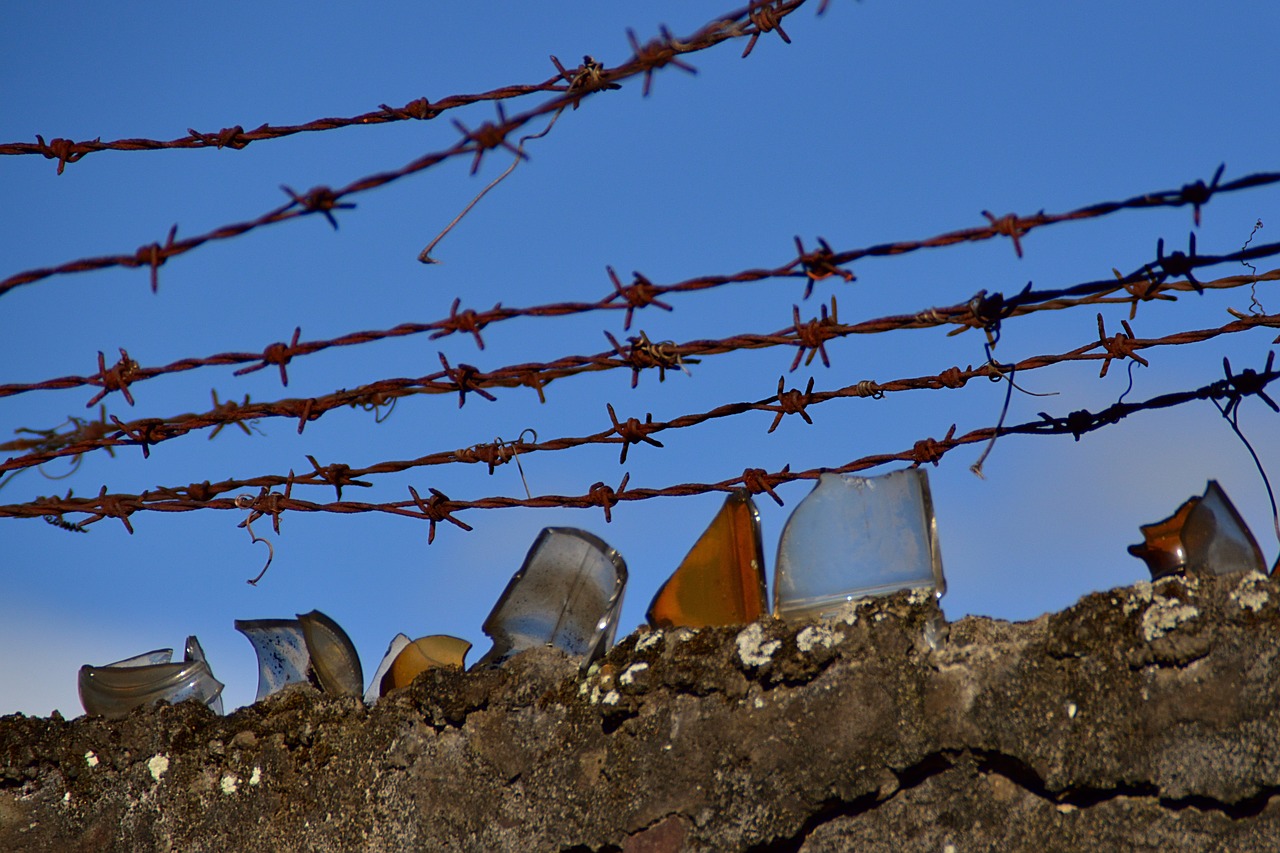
(568, 594)
(721, 580)
(282, 653)
(420, 655)
(333, 657)
(192, 651)
(116, 689)
(1205, 534)
(854, 537)
(374, 691)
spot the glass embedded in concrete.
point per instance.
(854, 537)
(721, 580)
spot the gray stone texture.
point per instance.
(1144, 718)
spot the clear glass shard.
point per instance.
(374, 690)
(282, 653)
(422, 654)
(146, 658)
(721, 580)
(116, 689)
(333, 657)
(568, 594)
(854, 537)
(193, 651)
(1205, 534)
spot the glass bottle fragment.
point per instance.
(282, 653)
(721, 580)
(374, 691)
(117, 688)
(1205, 534)
(854, 537)
(310, 648)
(568, 594)
(412, 658)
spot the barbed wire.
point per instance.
(85, 436)
(1233, 388)
(646, 58)
(631, 431)
(813, 266)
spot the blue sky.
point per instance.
(880, 122)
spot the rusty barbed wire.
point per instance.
(642, 354)
(646, 59)
(1233, 388)
(1144, 284)
(590, 77)
(629, 431)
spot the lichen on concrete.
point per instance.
(1122, 722)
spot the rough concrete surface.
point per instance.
(1141, 718)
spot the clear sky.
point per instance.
(879, 122)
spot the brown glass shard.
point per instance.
(721, 581)
(422, 654)
(1206, 534)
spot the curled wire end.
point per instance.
(425, 258)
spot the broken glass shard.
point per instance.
(333, 657)
(854, 537)
(117, 688)
(568, 594)
(397, 644)
(1206, 534)
(721, 581)
(420, 655)
(282, 653)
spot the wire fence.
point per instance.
(1164, 277)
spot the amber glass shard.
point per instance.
(1205, 534)
(422, 654)
(854, 537)
(721, 580)
(568, 594)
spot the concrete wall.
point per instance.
(1141, 718)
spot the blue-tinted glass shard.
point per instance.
(333, 657)
(116, 689)
(568, 594)
(854, 537)
(282, 652)
(398, 642)
(1205, 534)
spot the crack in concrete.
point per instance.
(1019, 773)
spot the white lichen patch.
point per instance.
(752, 648)
(91, 759)
(158, 764)
(759, 703)
(920, 595)
(595, 694)
(611, 698)
(648, 641)
(1140, 594)
(230, 784)
(1164, 615)
(1247, 594)
(256, 776)
(629, 674)
(817, 635)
